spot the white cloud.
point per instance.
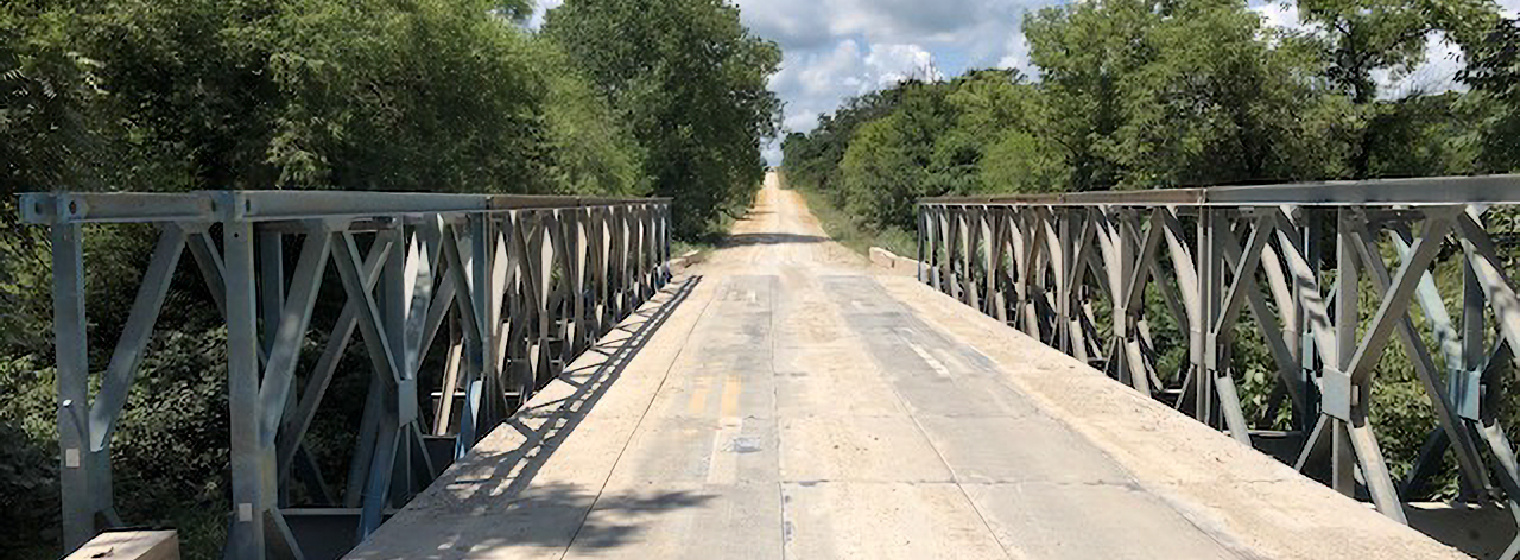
(814, 23)
(835, 49)
(1279, 14)
(814, 82)
(890, 64)
(1443, 59)
(537, 19)
(1016, 56)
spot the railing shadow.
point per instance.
(498, 485)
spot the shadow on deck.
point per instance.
(488, 501)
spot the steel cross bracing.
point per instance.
(1117, 279)
(508, 288)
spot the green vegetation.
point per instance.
(848, 231)
(1136, 94)
(400, 95)
(1142, 94)
(701, 136)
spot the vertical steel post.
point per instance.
(1199, 341)
(1337, 386)
(1311, 229)
(1065, 246)
(1463, 379)
(652, 250)
(85, 474)
(483, 243)
(991, 264)
(665, 249)
(599, 263)
(252, 487)
(947, 254)
(575, 245)
(1196, 389)
(271, 263)
(1021, 236)
(931, 257)
(395, 304)
(1127, 331)
(476, 340)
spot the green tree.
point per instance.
(893, 161)
(1003, 118)
(1085, 51)
(1493, 72)
(1361, 38)
(1022, 162)
(1152, 94)
(689, 80)
(812, 160)
(1218, 102)
(168, 95)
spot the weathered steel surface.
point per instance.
(508, 288)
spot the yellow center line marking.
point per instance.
(731, 390)
(698, 402)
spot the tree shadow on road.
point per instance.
(750, 239)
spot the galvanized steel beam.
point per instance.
(520, 284)
(1256, 248)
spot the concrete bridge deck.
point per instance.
(781, 401)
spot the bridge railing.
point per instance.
(1151, 288)
(505, 289)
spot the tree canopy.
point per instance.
(617, 97)
(1135, 94)
(689, 80)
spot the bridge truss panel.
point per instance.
(500, 291)
(1157, 288)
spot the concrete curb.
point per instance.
(893, 263)
(689, 259)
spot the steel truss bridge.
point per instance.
(508, 288)
(542, 388)
(1331, 274)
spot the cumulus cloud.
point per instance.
(1016, 56)
(813, 82)
(838, 49)
(835, 49)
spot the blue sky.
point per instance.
(836, 49)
